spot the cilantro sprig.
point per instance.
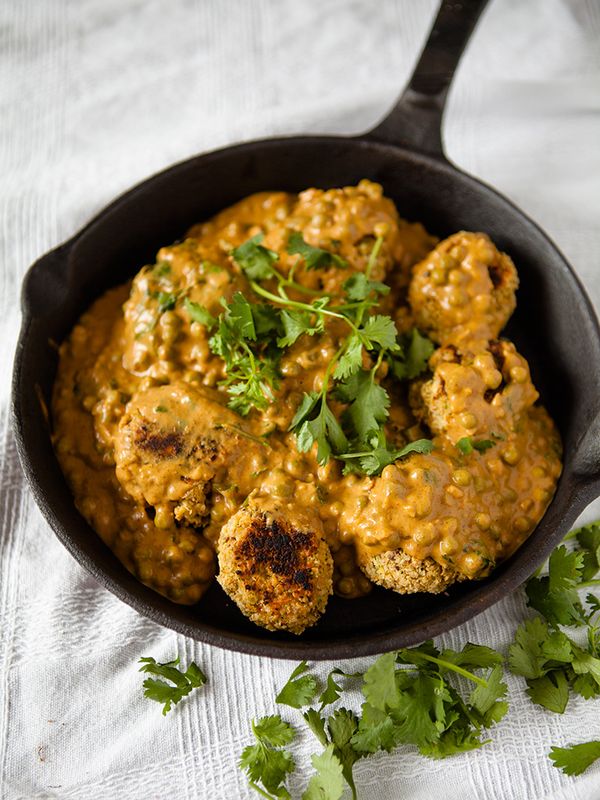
(552, 663)
(266, 762)
(179, 685)
(243, 339)
(357, 438)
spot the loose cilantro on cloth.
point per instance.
(265, 762)
(413, 696)
(552, 663)
(300, 689)
(419, 696)
(575, 759)
(182, 682)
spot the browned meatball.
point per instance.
(275, 564)
(396, 570)
(172, 442)
(475, 394)
(464, 290)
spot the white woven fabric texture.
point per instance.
(96, 95)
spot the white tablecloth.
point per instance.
(96, 95)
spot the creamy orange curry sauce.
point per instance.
(160, 466)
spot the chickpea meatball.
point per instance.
(275, 565)
(396, 570)
(464, 290)
(171, 443)
(474, 394)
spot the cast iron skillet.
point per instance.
(554, 327)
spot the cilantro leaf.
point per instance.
(239, 316)
(559, 608)
(351, 359)
(420, 714)
(414, 355)
(300, 689)
(332, 690)
(265, 764)
(359, 287)
(487, 700)
(585, 663)
(564, 569)
(304, 410)
(373, 462)
(550, 691)
(323, 429)
(317, 725)
(295, 323)
(554, 595)
(273, 730)
(342, 726)
(376, 731)
(575, 759)
(379, 330)
(328, 781)
(166, 301)
(472, 656)
(525, 655)
(200, 314)
(369, 404)
(380, 688)
(160, 690)
(256, 261)
(251, 370)
(314, 257)
(588, 538)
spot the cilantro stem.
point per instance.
(454, 667)
(283, 281)
(282, 301)
(257, 788)
(373, 257)
(587, 583)
(371, 263)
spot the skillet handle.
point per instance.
(586, 466)
(415, 121)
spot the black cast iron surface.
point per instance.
(554, 327)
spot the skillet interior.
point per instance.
(554, 326)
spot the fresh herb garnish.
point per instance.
(314, 257)
(163, 692)
(249, 338)
(413, 358)
(575, 759)
(200, 314)
(255, 259)
(299, 690)
(328, 781)
(166, 301)
(252, 373)
(551, 662)
(265, 762)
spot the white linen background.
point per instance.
(96, 95)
